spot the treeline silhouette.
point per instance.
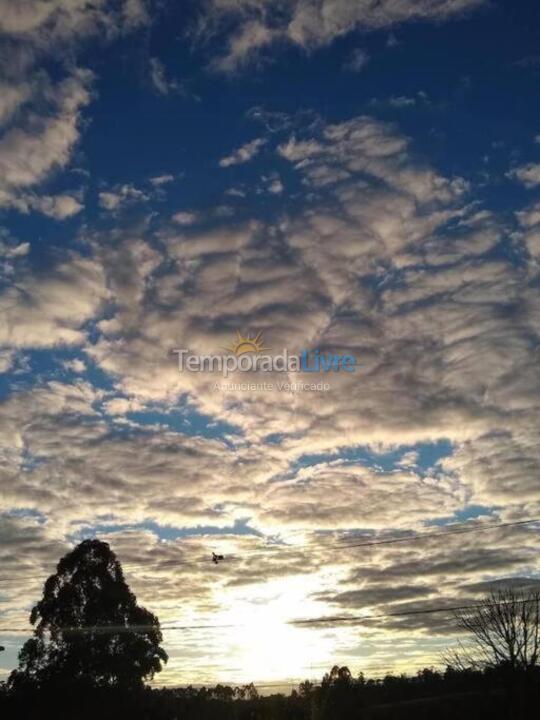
(93, 648)
(427, 695)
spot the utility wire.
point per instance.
(339, 546)
(426, 536)
(324, 621)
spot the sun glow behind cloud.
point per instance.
(389, 230)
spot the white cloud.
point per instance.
(529, 219)
(383, 257)
(159, 180)
(243, 154)
(358, 59)
(436, 350)
(272, 184)
(12, 254)
(313, 23)
(109, 201)
(334, 495)
(58, 207)
(185, 218)
(160, 82)
(235, 192)
(6, 360)
(29, 155)
(12, 97)
(13, 250)
(76, 365)
(394, 101)
(528, 175)
(42, 116)
(243, 46)
(367, 147)
(134, 14)
(49, 311)
(121, 195)
(121, 406)
(276, 187)
(46, 24)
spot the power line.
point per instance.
(359, 619)
(426, 536)
(376, 672)
(330, 620)
(339, 546)
(408, 539)
(154, 569)
(229, 683)
(379, 671)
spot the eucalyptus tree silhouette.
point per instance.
(89, 628)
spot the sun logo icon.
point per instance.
(246, 344)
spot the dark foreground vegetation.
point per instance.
(452, 695)
(93, 648)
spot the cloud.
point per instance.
(6, 360)
(41, 117)
(243, 46)
(273, 184)
(310, 24)
(333, 495)
(50, 310)
(121, 406)
(12, 253)
(159, 80)
(380, 255)
(244, 154)
(29, 155)
(500, 466)
(384, 258)
(370, 148)
(358, 59)
(529, 219)
(394, 101)
(275, 187)
(12, 98)
(43, 25)
(120, 196)
(528, 175)
(12, 249)
(287, 279)
(58, 207)
(185, 218)
(159, 180)
(76, 365)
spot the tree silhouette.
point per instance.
(89, 628)
(504, 630)
(338, 697)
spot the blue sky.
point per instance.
(361, 181)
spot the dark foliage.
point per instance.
(454, 695)
(89, 629)
(503, 632)
(93, 646)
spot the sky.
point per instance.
(347, 178)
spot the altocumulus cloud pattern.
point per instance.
(338, 177)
